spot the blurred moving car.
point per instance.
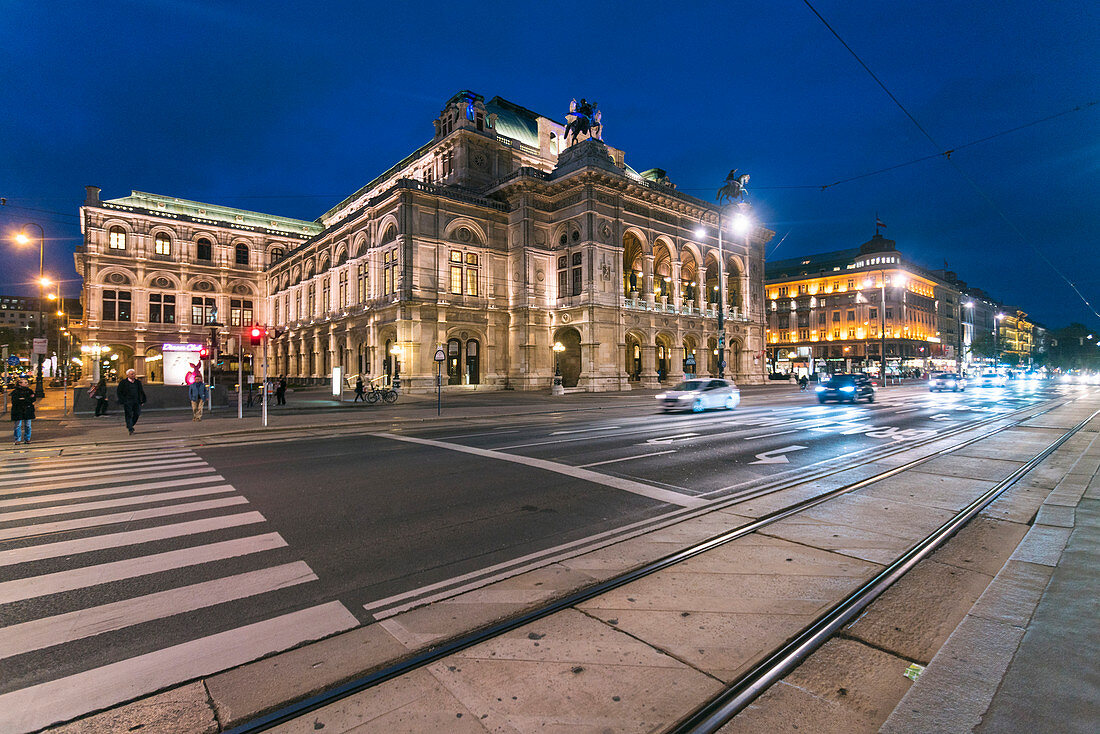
(846, 388)
(946, 381)
(992, 379)
(698, 395)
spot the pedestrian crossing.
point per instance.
(127, 572)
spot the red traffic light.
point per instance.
(257, 334)
(204, 353)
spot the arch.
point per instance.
(204, 249)
(296, 275)
(477, 234)
(241, 288)
(242, 254)
(566, 234)
(663, 341)
(359, 244)
(662, 269)
(162, 241)
(104, 277)
(691, 354)
(640, 236)
(633, 272)
(569, 361)
(712, 356)
(308, 269)
(633, 355)
(341, 254)
(388, 229)
(151, 278)
(323, 263)
(117, 237)
(734, 273)
(710, 278)
(689, 277)
(202, 284)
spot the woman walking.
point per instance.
(100, 395)
(22, 411)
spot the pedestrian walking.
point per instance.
(248, 400)
(99, 392)
(280, 391)
(131, 396)
(22, 410)
(359, 389)
(197, 393)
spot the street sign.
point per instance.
(13, 360)
(690, 361)
(440, 356)
(39, 346)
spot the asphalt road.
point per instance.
(337, 528)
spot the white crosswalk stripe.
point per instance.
(113, 553)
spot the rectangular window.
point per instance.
(326, 294)
(471, 281)
(117, 240)
(311, 299)
(203, 250)
(851, 283)
(851, 315)
(275, 315)
(802, 289)
(448, 163)
(872, 313)
(803, 334)
(361, 277)
(298, 304)
(456, 256)
(202, 310)
(162, 308)
(836, 333)
(389, 272)
(889, 314)
(456, 279)
(343, 295)
(162, 245)
(116, 305)
(836, 317)
(783, 290)
(578, 259)
(240, 312)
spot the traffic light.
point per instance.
(257, 334)
(204, 353)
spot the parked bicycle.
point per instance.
(385, 394)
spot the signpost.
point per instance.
(440, 358)
(39, 346)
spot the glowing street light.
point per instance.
(24, 239)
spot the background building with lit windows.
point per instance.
(830, 312)
(495, 241)
(159, 269)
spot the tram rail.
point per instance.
(739, 694)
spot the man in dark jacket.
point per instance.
(280, 392)
(131, 397)
(22, 411)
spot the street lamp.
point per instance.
(741, 225)
(959, 354)
(996, 348)
(396, 352)
(899, 281)
(556, 387)
(23, 239)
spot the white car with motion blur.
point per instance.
(992, 379)
(946, 381)
(700, 394)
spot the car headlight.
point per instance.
(684, 397)
(660, 396)
(820, 388)
(848, 388)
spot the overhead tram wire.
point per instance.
(954, 164)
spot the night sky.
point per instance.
(287, 108)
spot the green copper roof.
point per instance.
(513, 121)
(215, 213)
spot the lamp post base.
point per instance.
(556, 388)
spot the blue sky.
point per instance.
(287, 108)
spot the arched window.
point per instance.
(162, 244)
(241, 257)
(276, 254)
(390, 235)
(204, 250)
(117, 239)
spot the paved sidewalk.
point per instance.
(1024, 659)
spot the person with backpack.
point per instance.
(197, 393)
(22, 410)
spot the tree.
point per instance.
(983, 346)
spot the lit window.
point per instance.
(162, 245)
(240, 312)
(117, 239)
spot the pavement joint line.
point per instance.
(626, 458)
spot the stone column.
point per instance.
(676, 362)
(649, 366)
(647, 277)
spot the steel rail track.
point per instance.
(426, 657)
(740, 693)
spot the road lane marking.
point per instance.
(670, 439)
(82, 578)
(66, 698)
(776, 456)
(104, 504)
(627, 458)
(77, 461)
(91, 482)
(584, 430)
(82, 468)
(37, 476)
(61, 526)
(117, 489)
(48, 631)
(644, 490)
(131, 537)
(767, 435)
(907, 410)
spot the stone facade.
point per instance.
(494, 242)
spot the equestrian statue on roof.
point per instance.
(583, 119)
(734, 187)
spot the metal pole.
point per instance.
(721, 304)
(263, 387)
(240, 381)
(882, 330)
(438, 388)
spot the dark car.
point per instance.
(846, 388)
